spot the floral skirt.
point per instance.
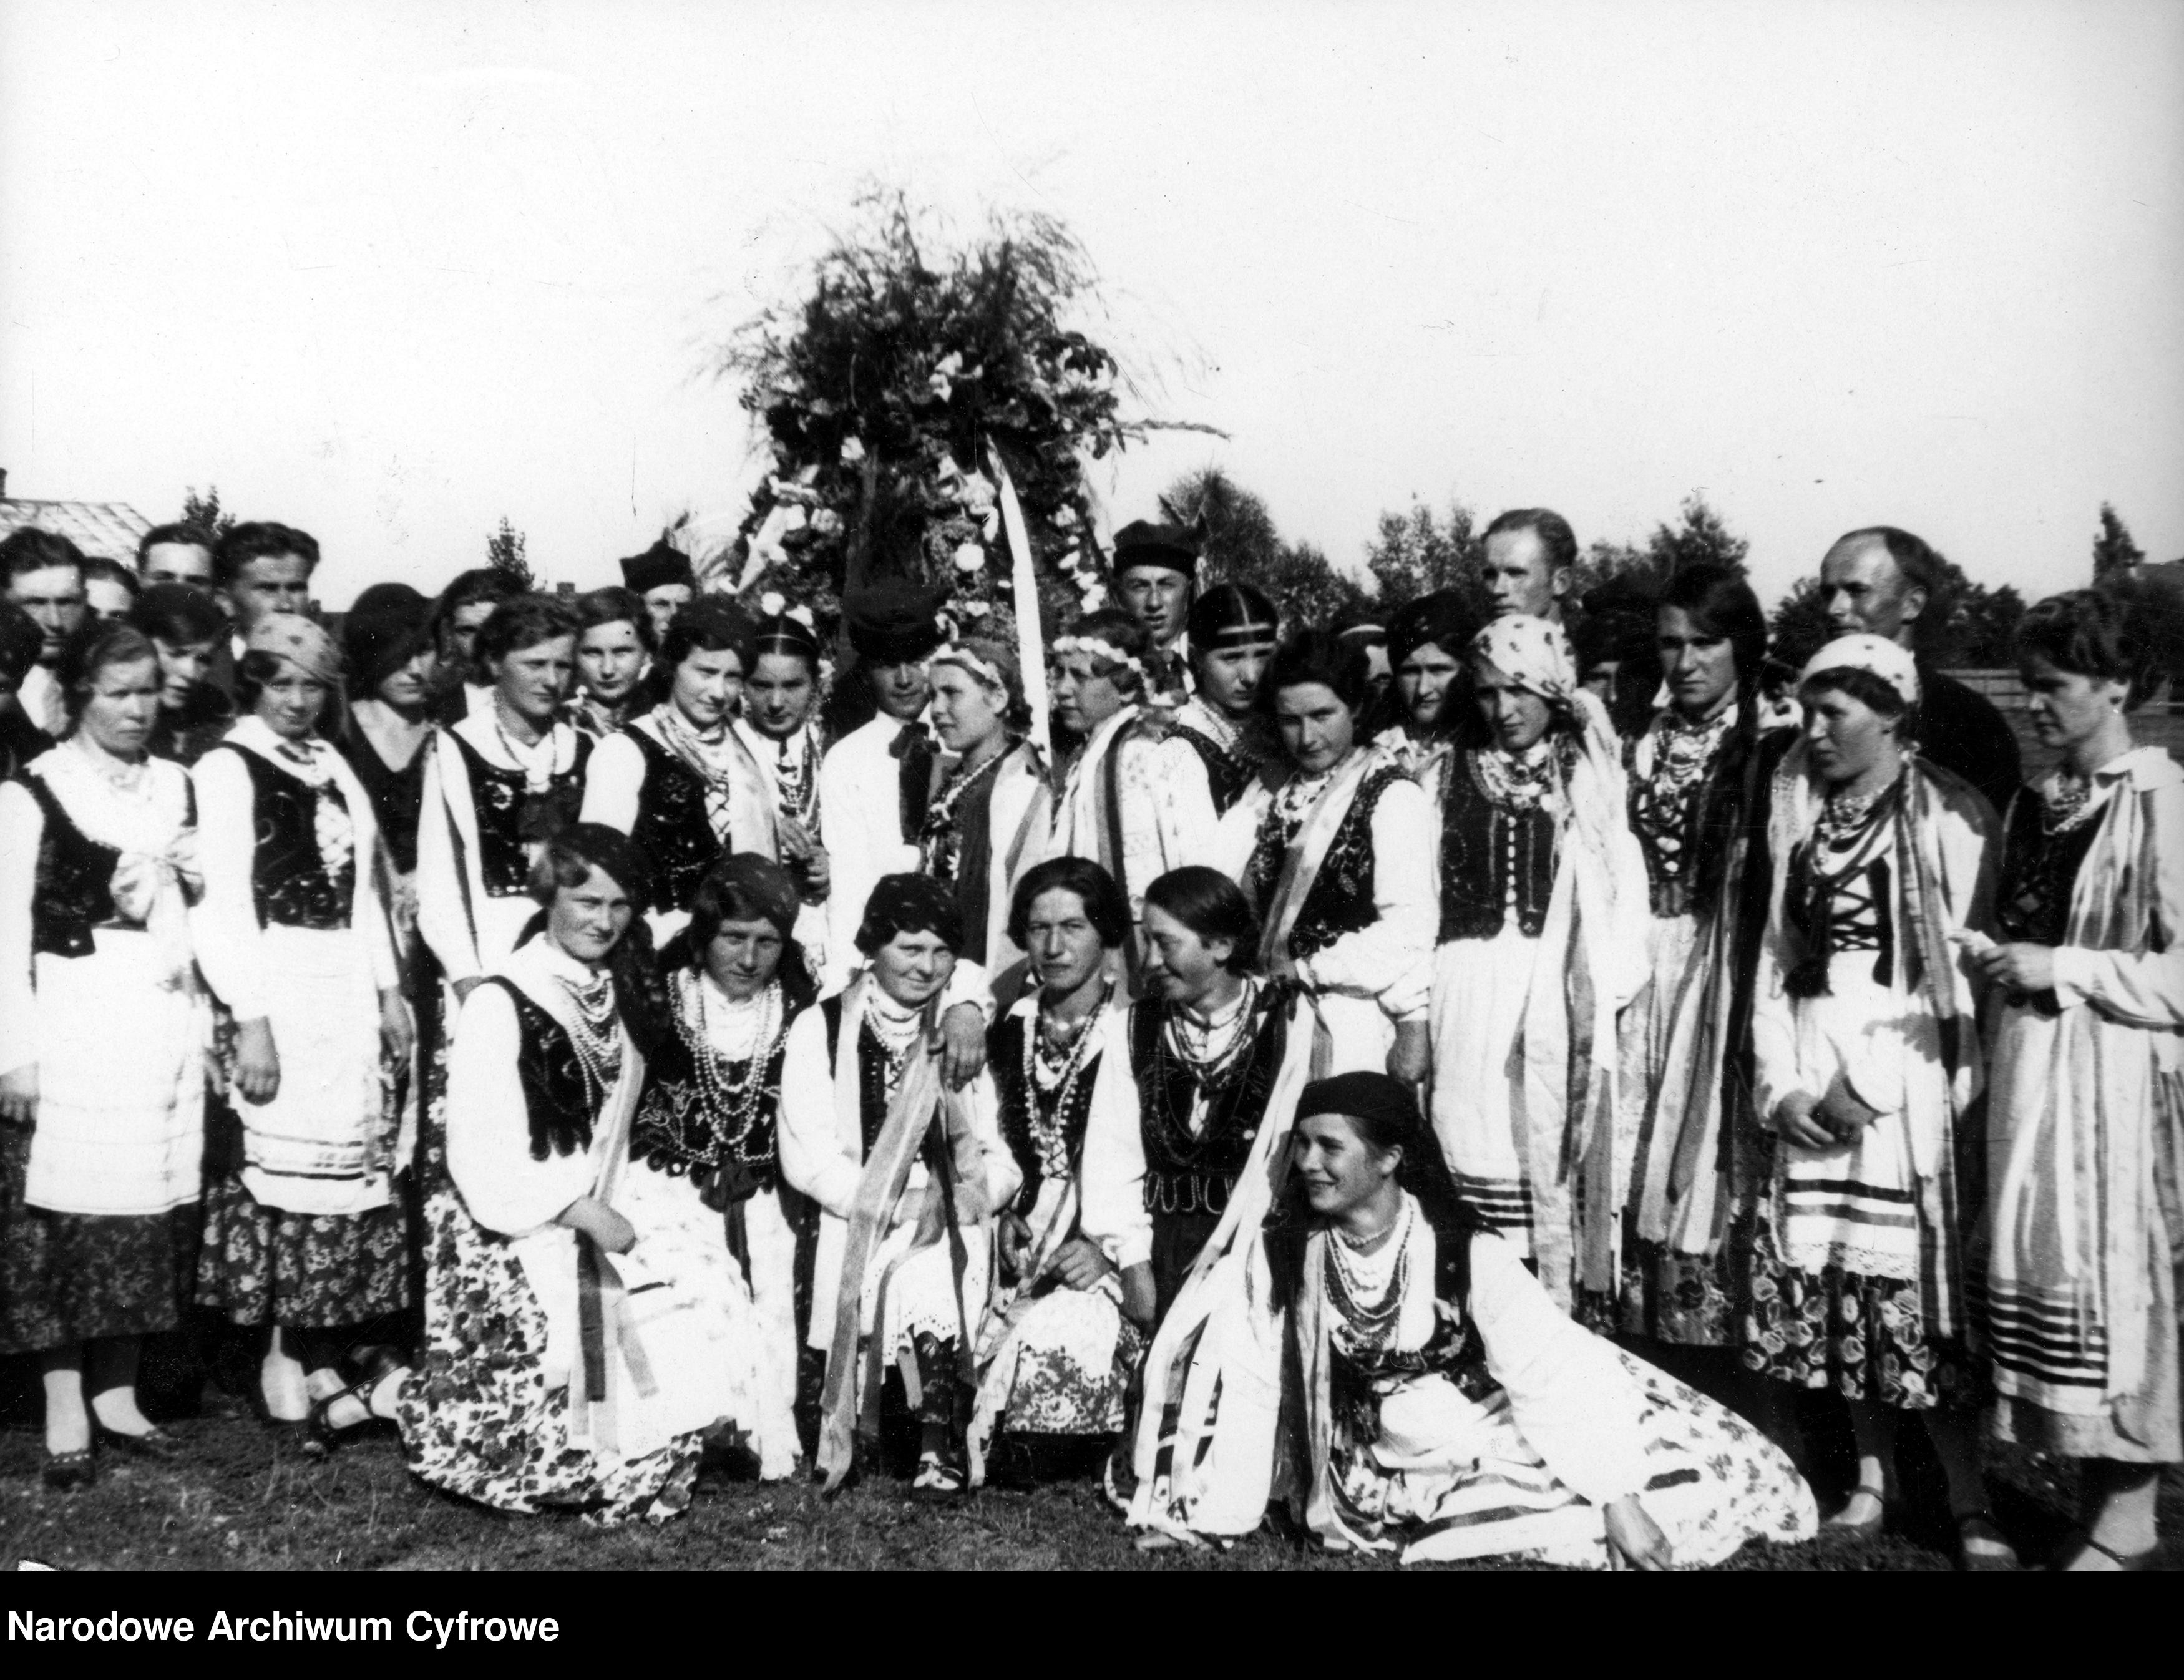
(1863, 1337)
(1716, 1483)
(478, 1418)
(264, 1265)
(1685, 1300)
(1057, 1364)
(66, 1278)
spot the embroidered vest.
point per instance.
(75, 888)
(289, 882)
(672, 825)
(872, 1072)
(1483, 849)
(555, 1096)
(510, 817)
(678, 1130)
(1035, 1134)
(1188, 1175)
(1341, 900)
(1226, 775)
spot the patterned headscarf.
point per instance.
(1874, 654)
(1533, 654)
(303, 642)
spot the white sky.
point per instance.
(389, 272)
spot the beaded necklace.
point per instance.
(1367, 1291)
(895, 1033)
(1518, 781)
(1056, 1070)
(595, 1033)
(732, 1104)
(1212, 1049)
(941, 841)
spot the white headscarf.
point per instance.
(1874, 654)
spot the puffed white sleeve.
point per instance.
(22, 825)
(370, 913)
(1113, 1167)
(1390, 961)
(614, 781)
(1778, 1073)
(224, 925)
(2139, 989)
(841, 832)
(442, 895)
(489, 1128)
(812, 1159)
(1571, 1396)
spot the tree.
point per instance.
(1984, 625)
(1413, 555)
(1239, 544)
(2113, 548)
(880, 390)
(203, 511)
(1799, 628)
(503, 553)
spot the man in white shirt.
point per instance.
(875, 781)
(43, 574)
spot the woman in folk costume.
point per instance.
(499, 783)
(679, 781)
(780, 725)
(1866, 1070)
(1127, 799)
(1233, 628)
(614, 649)
(875, 778)
(1444, 1404)
(1698, 780)
(1542, 939)
(1219, 1054)
(1342, 865)
(580, 1346)
(1426, 643)
(908, 1175)
(979, 834)
(1066, 1326)
(103, 1029)
(2084, 1234)
(305, 1238)
(187, 627)
(706, 1129)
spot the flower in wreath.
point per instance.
(976, 492)
(853, 451)
(969, 557)
(773, 604)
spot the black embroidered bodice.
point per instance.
(1839, 897)
(679, 1131)
(672, 825)
(75, 888)
(290, 884)
(1357, 1380)
(1666, 809)
(1188, 1175)
(1227, 776)
(397, 798)
(2039, 872)
(1039, 1135)
(510, 817)
(1340, 900)
(555, 1096)
(1485, 849)
(872, 1072)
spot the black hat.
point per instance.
(1368, 1096)
(1443, 618)
(382, 631)
(659, 565)
(1140, 543)
(892, 621)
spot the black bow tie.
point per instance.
(912, 735)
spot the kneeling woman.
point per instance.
(576, 1358)
(907, 1175)
(1448, 1407)
(1068, 1322)
(705, 1129)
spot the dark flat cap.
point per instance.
(1140, 543)
(1443, 618)
(659, 565)
(892, 620)
(1385, 1102)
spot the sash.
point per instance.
(1300, 864)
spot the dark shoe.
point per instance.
(155, 1445)
(937, 1482)
(64, 1473)
(1983, 1563)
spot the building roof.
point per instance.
(107, 529)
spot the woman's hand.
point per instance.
(19, 1095)
(962, 1045)
(2021, 966)
(1635, 1540)
(599, 1222)
(1793, 1120)
(1015, 1236)
(1411, 1057)
(257, 1063)
(1080, 1264)
(1139, 1299)
(398, 1033)
(1841, 1112)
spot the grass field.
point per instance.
(235, 1502)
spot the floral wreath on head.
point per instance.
(1099, 648)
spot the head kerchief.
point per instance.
(1876, 654)
(303, 642)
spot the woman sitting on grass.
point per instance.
(1447, 1406)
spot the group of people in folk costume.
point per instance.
(1347, 1072)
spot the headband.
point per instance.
(1232, 636)
(1100, 649)
(1876, 654)
(984, 669)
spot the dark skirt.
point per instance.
(1177, 1239)
(1686, 1300)
(264, 1265)
(69, 1278)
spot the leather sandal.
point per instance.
(64, 1473)
(1862, 1528)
